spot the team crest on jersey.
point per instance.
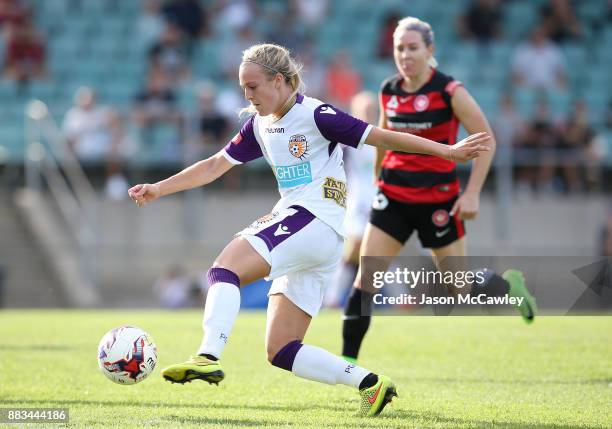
(298, 146)
(421, 103)
(440, 218)
(334, 189)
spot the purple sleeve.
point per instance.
(243, 147)
(337, 126)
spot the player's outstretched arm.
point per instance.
(198, 174)
(466, 149)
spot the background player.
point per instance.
(419, 192)
(299, 243)
(359, 165)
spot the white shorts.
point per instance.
(303, 253)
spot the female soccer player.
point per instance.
(418, 192)
(359, 165)
(298, 244)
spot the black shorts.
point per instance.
(432, 222)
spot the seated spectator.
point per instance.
(173, 289)
(12, 12)
(482, 21)
(156, 102)
(25, 53)
(96, 136)
(312, 14)
(580, 150)
(560, 21)
(509, 127)
(342, 81)
(212, 129)
(284, 26)
(538, 63)
(149, 23)
(170, 54)
(385, 46)
(86, 128)
(535, 153)
(243, 39)
(235, 14)
(121, 149)
(313, 73)
(187, 15)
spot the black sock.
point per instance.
(370, 380)
(356, 321)
(209, 357)
(494, 284)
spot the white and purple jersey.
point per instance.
(302, 149)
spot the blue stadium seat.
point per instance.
(525, 100)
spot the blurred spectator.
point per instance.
(244, 38)
(187, 15)
(560, 21)
(538, 63)
(25, 53)
(12, 12)
(284, 26)
(385, 46)
(508, 123)
(170, 54)
(173, 289)
(156, 102)
(149, 23)
(312, 14)
(342, 81)
(95, 134)
(482, 21)
(86, 127)
(581, 150)
(535, 153)
(121, 149)
(213, 128)
(313, 72)
(235, 14)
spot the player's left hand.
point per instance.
(466, 206)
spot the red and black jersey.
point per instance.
(416, 178)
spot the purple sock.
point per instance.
(285, 357)
(218, 275)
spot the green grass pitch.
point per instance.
(460, 372)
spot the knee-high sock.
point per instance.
(220, 311)
(356, 321)
(343, 280)
(317, 364)
(493, 285)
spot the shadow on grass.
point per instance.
(528, 382)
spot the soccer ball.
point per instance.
(127, 355)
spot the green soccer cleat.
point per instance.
(374, 399)
(196, 368)
(349, 359)
(518, 289)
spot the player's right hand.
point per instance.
(144, 193)
(470, 147)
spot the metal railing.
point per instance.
(49, 158)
